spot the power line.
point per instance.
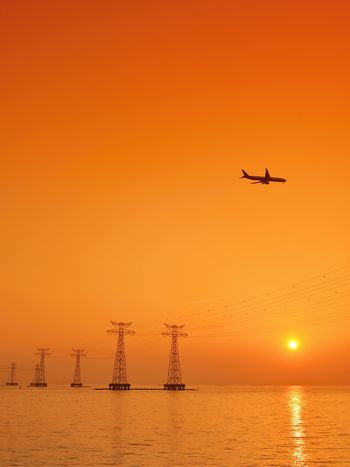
(262, 309)
(246, 301)
(245, 309)
(249, 332)
(286, 314)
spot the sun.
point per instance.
(293, 344)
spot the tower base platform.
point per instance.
(174, 387)
(11, 384)
(38, 385)
(76, 385)
(119, 387)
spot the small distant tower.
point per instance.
(119, 380)
(39, 372)
(12, 378)
(77, 377)
(174, 381)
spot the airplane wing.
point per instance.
(267, 175)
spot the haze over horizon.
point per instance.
(123, 134)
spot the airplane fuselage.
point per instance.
(266, 180)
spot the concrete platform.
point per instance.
(119, 387)
(147, 389)
(174, 387)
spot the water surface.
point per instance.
(215, 426)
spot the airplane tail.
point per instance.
(245, 174)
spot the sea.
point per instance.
(212, 426)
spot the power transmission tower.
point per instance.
(36, 375)
(119, 380)
(12, 378)
(77, 377)
(174, 381)
(39, 374)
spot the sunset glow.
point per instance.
(124, 131)
(174, 241)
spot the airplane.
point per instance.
(265, 180)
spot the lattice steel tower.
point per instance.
(36, 375)
(77, 375)
(39, 374)
(119, 380)
(174, 381)
(12, 378)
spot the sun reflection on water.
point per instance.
(299, 458)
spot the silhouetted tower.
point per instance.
(77, 376)
(120, 381)
(36, 375)
(12, 378)
(39, 377)
(174, 381)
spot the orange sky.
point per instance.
(123, 131)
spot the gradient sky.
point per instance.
(124, 127)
